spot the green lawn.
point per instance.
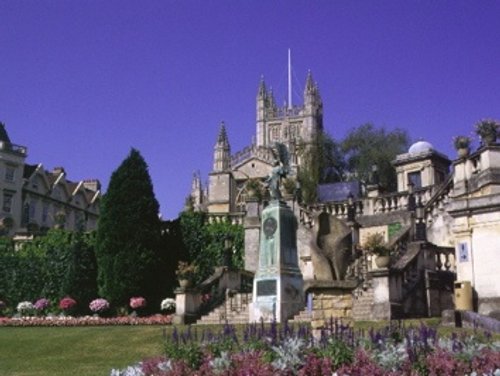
(78, 351)
(95, 351)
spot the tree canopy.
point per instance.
(367, 146)
(128, 235)
(322, 162)
(364, 149)
(204, 242)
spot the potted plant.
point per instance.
(185, 273)
(462, 145)
(487, 129)
(376, 245)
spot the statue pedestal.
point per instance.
(278, 283)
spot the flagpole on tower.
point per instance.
(289, 79)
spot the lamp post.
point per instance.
(420, 230)
(228, 254)
(412, 202)
(351, 211)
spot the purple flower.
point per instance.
(41, 304)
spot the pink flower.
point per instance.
(67, 303)
(99, 305)
(137, 302)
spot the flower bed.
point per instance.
(85, 321)
(272, 350)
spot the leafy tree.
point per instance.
(128, 235)
(367, 146)
(171, 240)
(205, 242)
(322, 162)
(80, 281)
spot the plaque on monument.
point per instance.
(266, 287)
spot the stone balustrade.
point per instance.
(445, 260)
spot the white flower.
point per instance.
(168, 304)
(24, 307)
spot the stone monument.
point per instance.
(278, 283)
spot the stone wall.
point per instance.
(328, 303)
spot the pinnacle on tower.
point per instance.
(262, 93)
(222, 150)
(222, 137)
(310, 86)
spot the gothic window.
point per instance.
(274, 133)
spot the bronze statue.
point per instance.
(279, 171)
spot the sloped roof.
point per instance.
(3, 133)
(29, 170)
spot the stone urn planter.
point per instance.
(462, 146)
(382, 261)
(184, 283)
(489, 139)
(487, 129)
(463, 152)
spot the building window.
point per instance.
(45, 213)
(10, 173)
(415, 178)
(32, 211)
(7, 202)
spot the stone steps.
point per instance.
(363, 305)
(234, 310)
(301, 317)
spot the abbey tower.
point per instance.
(291, 125)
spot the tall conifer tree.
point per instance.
(128, 235)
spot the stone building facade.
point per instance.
(291, 125)
(442, 224)
(34, 199)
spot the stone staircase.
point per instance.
(362, 305)
(303, 316)
(234, 310)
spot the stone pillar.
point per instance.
(381, 297)
(278, 283)
(187, 303)
(251, 225)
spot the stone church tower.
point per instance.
(291, 125)
(220, 182)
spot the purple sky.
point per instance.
(81, 82)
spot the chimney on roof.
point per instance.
(92, 184)
(58, 170)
